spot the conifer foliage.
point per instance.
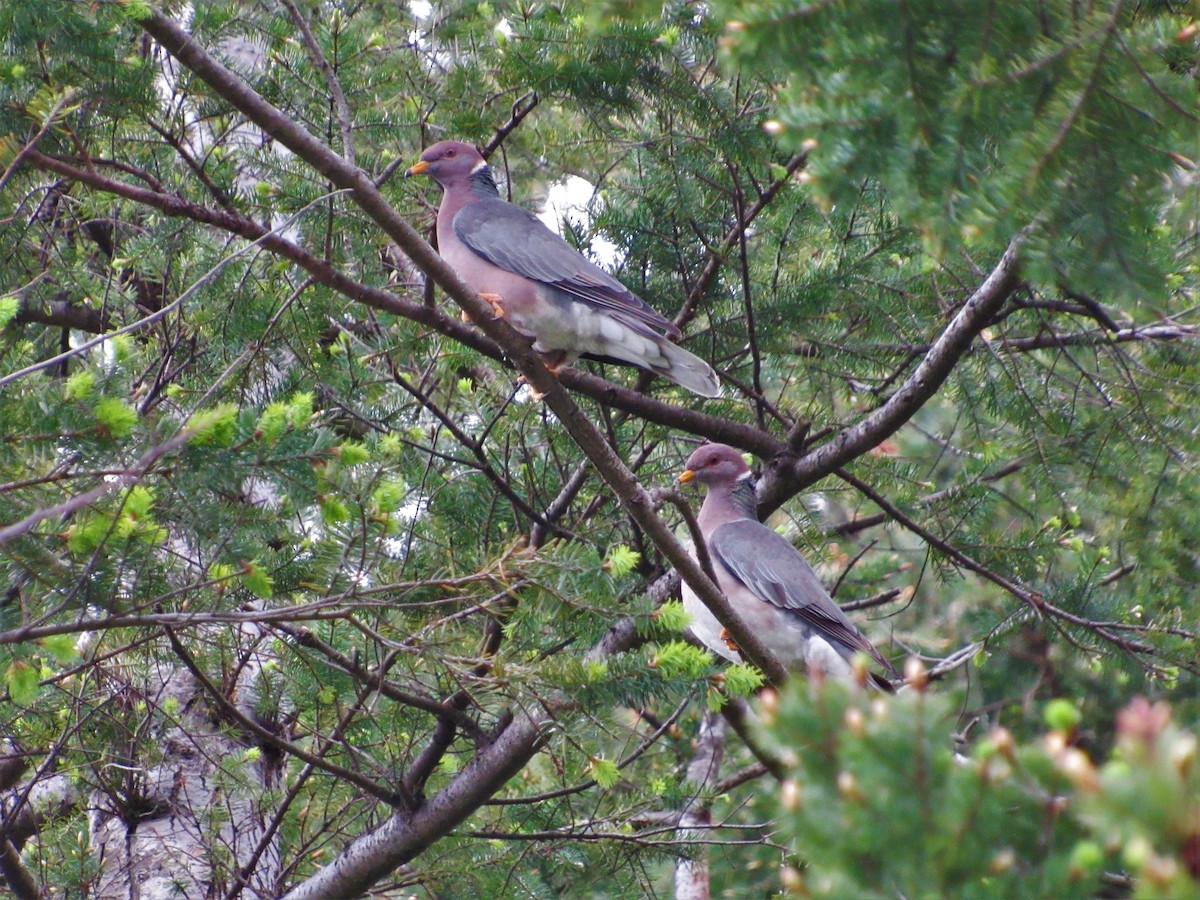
(302, 594)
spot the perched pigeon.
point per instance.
(544, 287)
(768, 583)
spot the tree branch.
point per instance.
(405, 835)
(523, 107)
(16, 875)
(785, 476)
(340, 105)
(271, 120)
(62, 314)
(716, 428)
(1031, 597)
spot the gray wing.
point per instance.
(516, 240)
(774, 571)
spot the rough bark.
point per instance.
(402, 837)
(691, 872)
(192, 815)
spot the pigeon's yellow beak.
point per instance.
(418, 168)
(688, 475)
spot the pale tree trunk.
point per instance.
(691, 874)
(188, 824)
(23, 812)
(185, 816)
(178, 812)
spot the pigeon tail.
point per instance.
(686, 370)
(880, 683)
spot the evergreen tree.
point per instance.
(305, 595)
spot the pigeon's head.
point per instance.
(449, 162)
(715, 465)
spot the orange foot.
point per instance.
(729, 641)
(536, 394)
(555, 363)
(495, 301)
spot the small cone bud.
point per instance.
(1160, 871)
(916, 674)
(1056, 743)
(1143, 720)
(856, 722)
(1003, 861)
(789, 795)
(1075, 764)
(792, 881)
(859, 669)
(768, 704)
(1002, 740)
(848, 785)
(816, 680)
(1183, 755)
(985, 769)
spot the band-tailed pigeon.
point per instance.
(544, 287)
(768, 583)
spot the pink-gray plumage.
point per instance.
(545, 288)
(768, 583)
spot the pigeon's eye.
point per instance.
(451, 152)
(713, 460)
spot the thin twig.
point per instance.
(341, 107)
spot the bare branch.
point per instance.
(523, 107)
(1031, 597)
(784, 476)
(63, 314)
(87, 498)
(331, 79)
(714, 427)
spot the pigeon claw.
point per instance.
(533, 392)
(555, 363)
(729, 641)
(496, 302)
